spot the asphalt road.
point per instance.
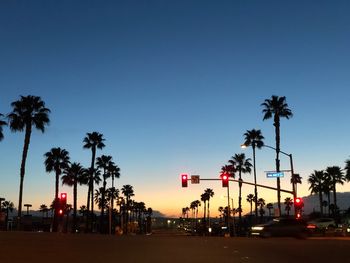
(24, 247)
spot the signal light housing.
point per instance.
(224, 179)
(184, 179)
(63, 199)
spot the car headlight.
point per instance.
(257, 228)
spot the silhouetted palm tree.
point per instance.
(92, 141)
(295, 180)
(104, 162)
(8, 207)
(288, 202)
(73, 175)
(277, 108)
(56, 160)
(128, 192)
(210, 193)
(338, 177)
(44, 209)
(242, 165)
(204, 199)
(114, 172)
(316, 181)
(261, 204)
(327, 187)
(27, 112)
(250, 199)
(269, 207)
(254, 138)
(347, 170)
(2, 123)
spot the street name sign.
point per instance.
(194, 179)
(274, 174)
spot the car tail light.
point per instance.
(311, 226)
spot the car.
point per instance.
(281, 227)
(322, 224)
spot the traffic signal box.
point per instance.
(298, 205)
(224, 179)
(62, 204)
(184, 180)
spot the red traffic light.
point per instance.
(63, 199)
(60, 212)
(298, 200)
(184, 178)
(224, 179)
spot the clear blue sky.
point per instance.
(173, 85)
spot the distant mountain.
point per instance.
(312, 203)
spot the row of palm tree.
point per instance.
(30, 112)
(324, 182)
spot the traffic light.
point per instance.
(60, 212)
(184, 178)
(298, 203)
(63, 199)
(224, 179)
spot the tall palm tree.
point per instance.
(8, 207)
(104, 162)
(327, 187)
(254, 138)
(261, 204)
(204, 199)
(242, 165)
(295, 180)
(44, 209)
(288, 202)
(27, 112)
(250, 199)
(56, 160)
(338, 177)
(316, 181)
(114, 172)
(128, 191)
(269, 207)
(73, 175)
(93, 141)
(347, 170)
(2, 123)
(277, 108)
(210, 193)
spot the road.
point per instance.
(20, 247)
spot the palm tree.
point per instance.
(250, 199)
(56, 160)
(327, 187)
(316, 181)
(204, 199)
(295, 180)
(277, 108)
(114, 172)
(242, 165)
(269, 206)
(338, 177)
(27, 112)
(288, 202)
(254, 138)
(261, 204)
(347, 169)
(210, 193)
(82, 210)
(228, 169)
(2, 123)
(104, 162)
(92, 141)
(73, 175)
(128, 192)
(44, 209)
(8, 207)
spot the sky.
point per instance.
(173, 86)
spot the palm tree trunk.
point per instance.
(240, 198)
(321, 202)
(56, 205)
(329, 202)
(22, 171)
(335, 198)
(75, 197)
(255, 188)
(208, 215)
(93, 149)
(277, 133)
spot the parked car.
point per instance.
(281, 227)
